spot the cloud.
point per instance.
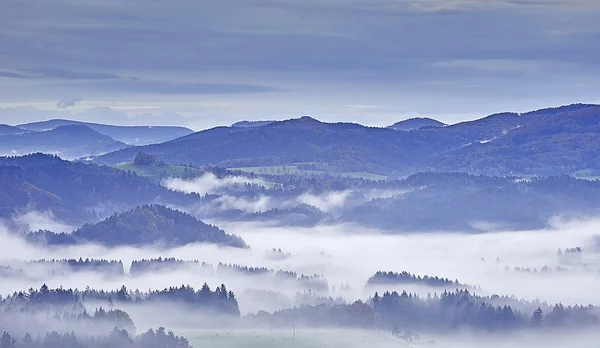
(208, 183)
(40, 220)
(63, 104)
(322, 56)
(325, 202)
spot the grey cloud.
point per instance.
(68, 74)
(63, 104)
(400, 53)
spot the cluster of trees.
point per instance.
(145, 159)
(315, 283)
(108, 267)
(167, 264)
(116, 339)
(403, 278)
(58, 308)
(220, 301)
(8, 272)
(278, 254)
(445, 312)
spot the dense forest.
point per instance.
(75, 191)
(24, 317)
(442, 313)
(406, 278)
(145, 225)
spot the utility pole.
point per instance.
(294, 334)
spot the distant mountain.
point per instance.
(69, 142)
(132, 135)
(144, 226)
(10, 130)
(416, 123)
(73, 191)
(547, 142)
(343, 146)
(488, 145)
(249, 124)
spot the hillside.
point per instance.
(132, 135)
(416, 123)
(69, 142)
(343, 146)
(144, 226)
(546, 144)
(480, 146)
(76, 191)
(17, 194)
(461, 202)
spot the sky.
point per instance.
(375, 62)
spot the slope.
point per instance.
(83, 192)
(67, 141)
(548, 144)
(133, 135)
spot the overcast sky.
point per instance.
(202, 63)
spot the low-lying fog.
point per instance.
(350, 254)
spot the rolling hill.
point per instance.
(69, 142)
(480, 146)
(132, 135)
(143, 226)
(73, 191)
(344, 146)
(547, 144)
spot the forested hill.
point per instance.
(134, 135)
(552, 141)
(145, 225)
(75, 191)
(549, 143)
(345, 146)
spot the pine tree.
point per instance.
(537, 318)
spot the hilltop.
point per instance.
(416, 123)
(145, 225)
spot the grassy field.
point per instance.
(305, 338)
(156, 172)
(293, 169)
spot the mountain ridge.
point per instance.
(143, 134)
